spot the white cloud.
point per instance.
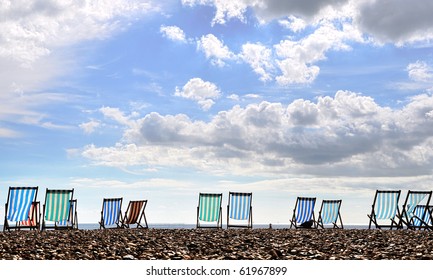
(173, 33)
(214, 49)
(201, 91)
(225, 9)
(259, 58)
(293, 23)
(345, 134)
(297, 58)
(420, 71)
(90, 127)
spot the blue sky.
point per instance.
(163, 100)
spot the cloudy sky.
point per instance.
(162, 100)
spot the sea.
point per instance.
(91, 226)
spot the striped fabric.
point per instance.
(412, 201)
(111, 210)
(240, 205)
(209, 207)
(422, 215)
(57, 205)
(69, 222)
(386, 205)
(329, 212)
(133, 211)
(305, 209)
(33, 218)
(20, 201)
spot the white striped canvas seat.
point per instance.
(385, 208)
(111, 213)
(209, 210)
(19, 211)
(239, 210)
(329, 214)
(303, 212)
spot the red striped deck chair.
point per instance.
(134, 214)
(18, 209)
(209, 210)
(34, 217)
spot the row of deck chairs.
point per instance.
(23, 211)
(416, 211)
(60, 211)
(239, 211)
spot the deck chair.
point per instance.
(209, 210)
(111, 213)
(134, 214)
(408, 216)
(303, 212)
(330, 214)
(240, 209)
(18, 209)
(57, 209)
(385, 207)
(424, 211)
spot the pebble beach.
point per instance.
(226, 244)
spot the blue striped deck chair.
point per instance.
(408, 216)
(134, 214)
(19, 210)
(111, 213)
(239, 210)
(209, 210)
(385, 208)
(57, 209)
(422, 217)
(303, 212)
(330, 214)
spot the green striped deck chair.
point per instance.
(385, 208)
(57, 209)
(240, 210)
(111, 213)
(408, 216)
(303, 212)
(329, 214)
(209, 210)
(134, 214)
(19, 210)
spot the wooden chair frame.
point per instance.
(405, 218)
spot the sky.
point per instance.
(162, 100)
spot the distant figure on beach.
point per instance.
(307, 224)
(270, 226)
